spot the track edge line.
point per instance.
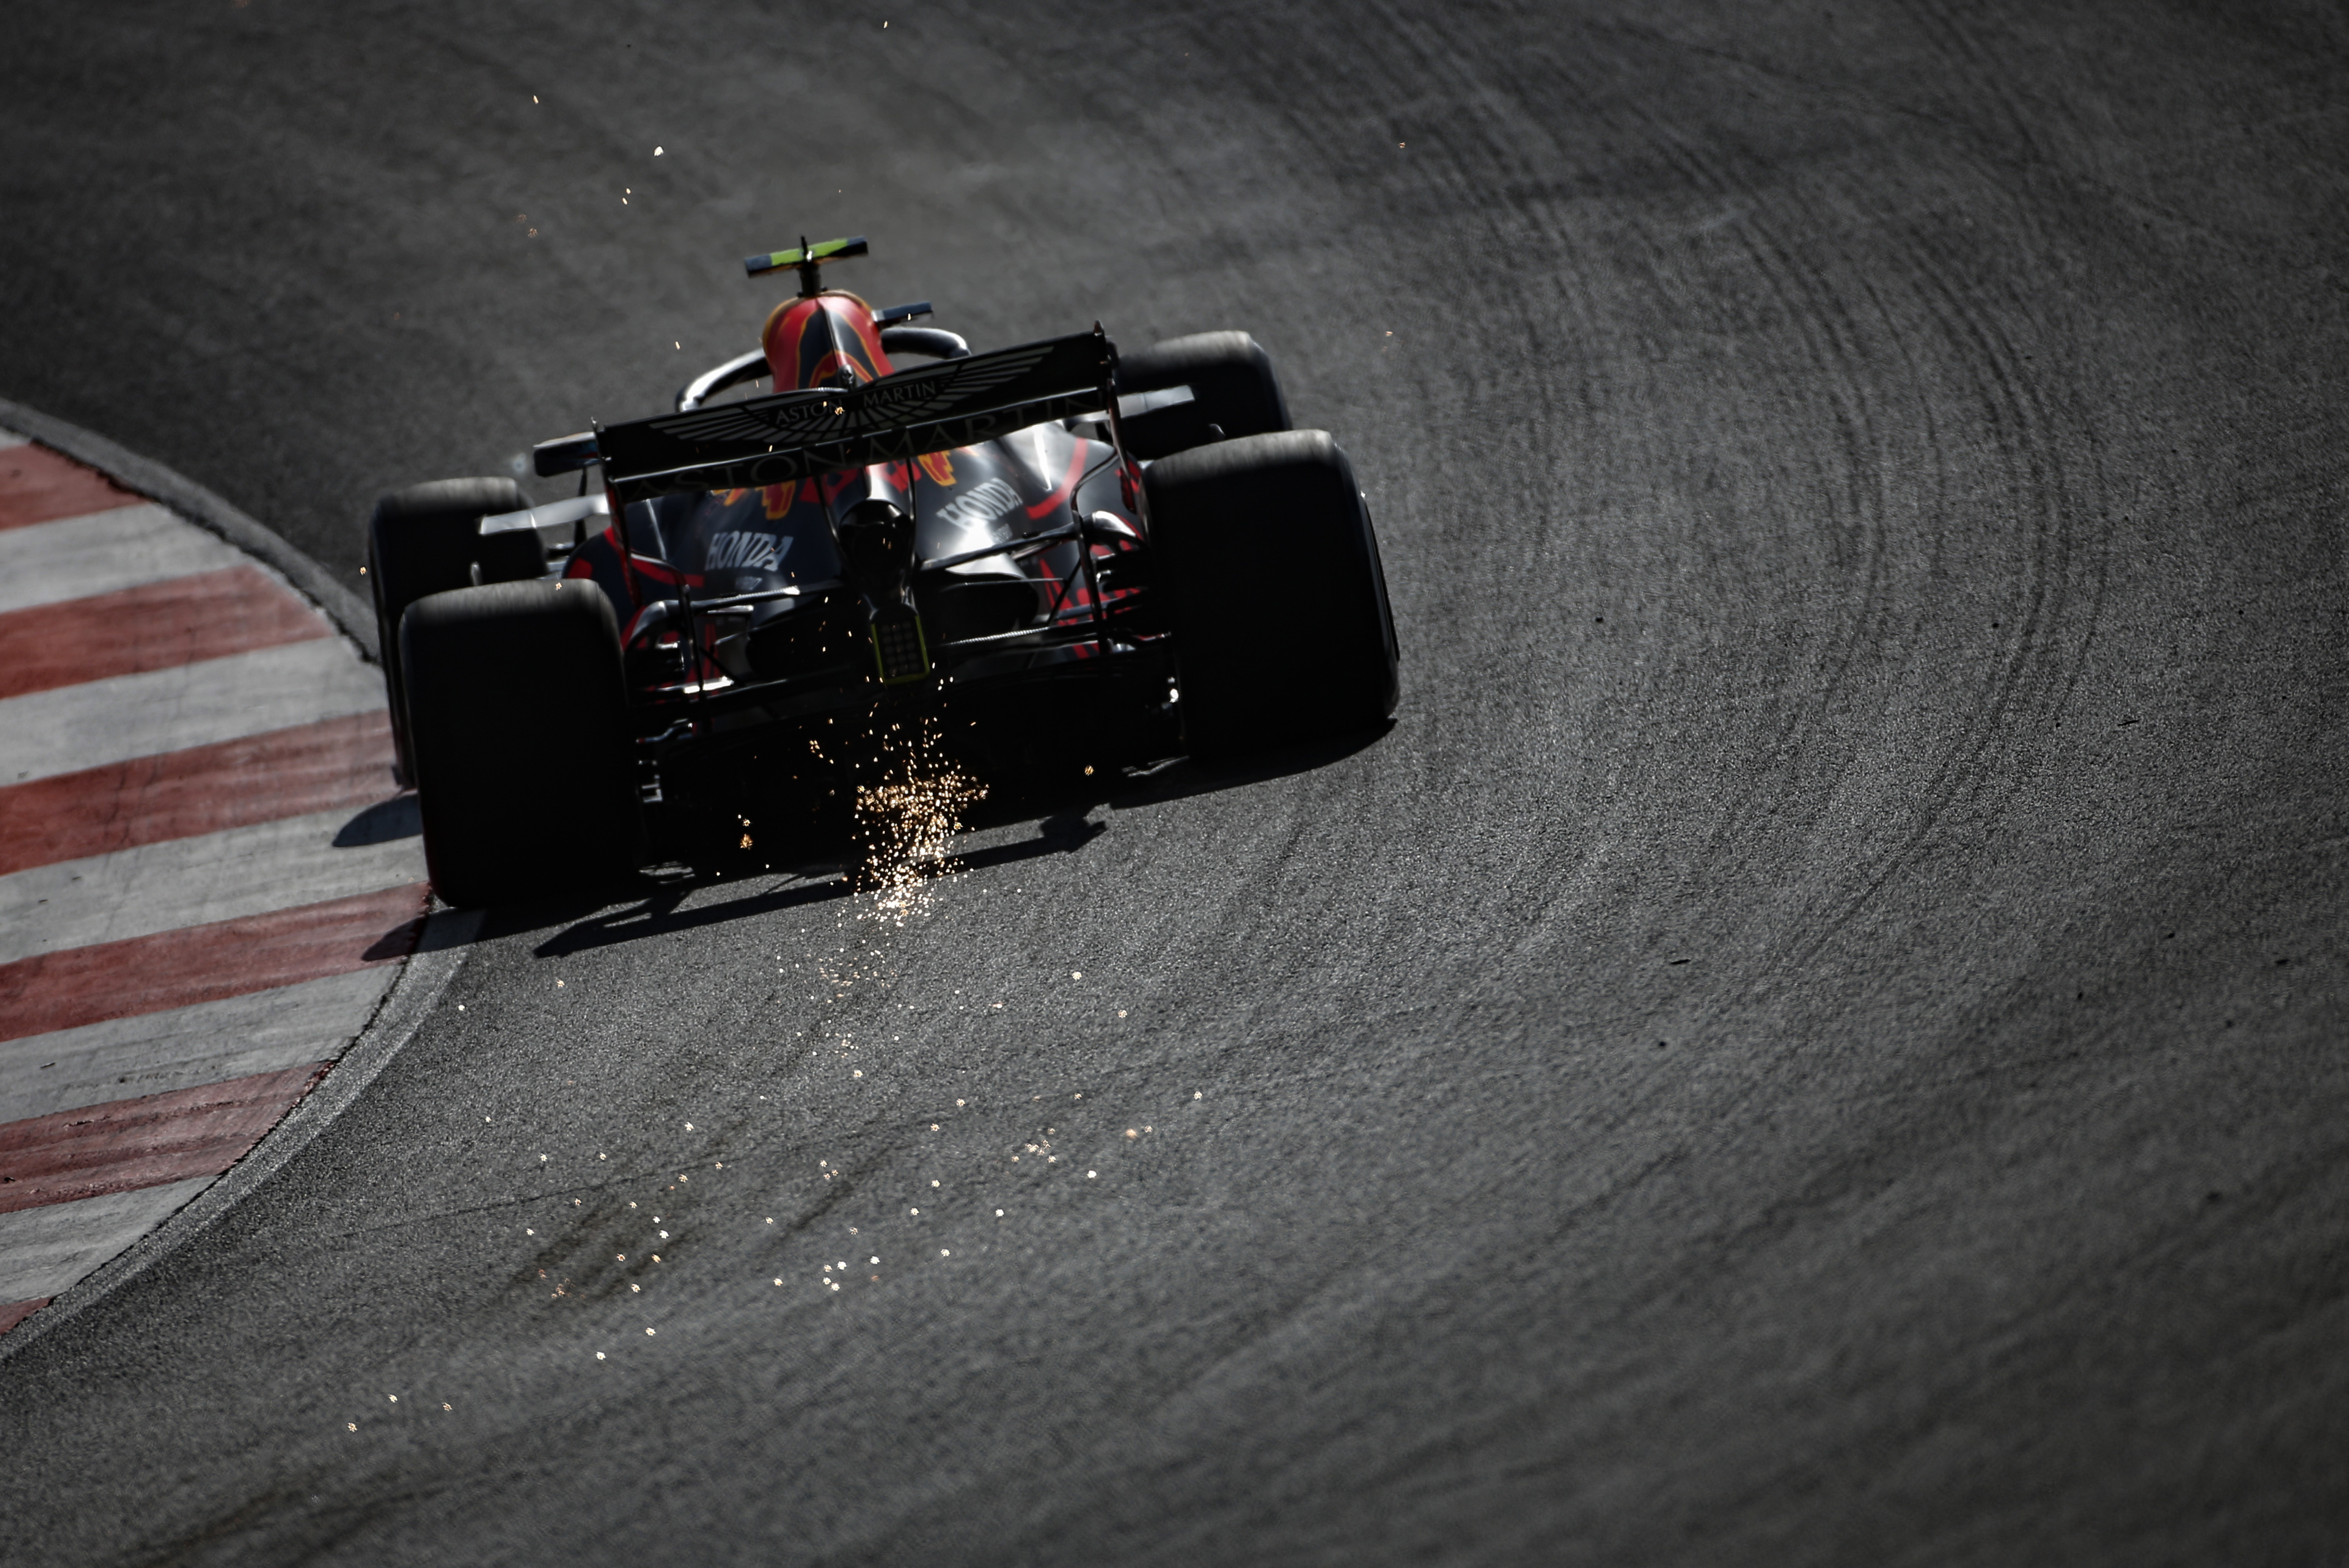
(352, 616)
(439, 953)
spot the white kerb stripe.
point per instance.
(44, 1250)
(75, 558)
(188, 1047)
(195, 881)
(125, 716)
(10, 438)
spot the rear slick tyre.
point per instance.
(1315, 658)
(1233, 390)
(427, 539)
(520, 727)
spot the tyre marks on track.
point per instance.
(2009, 456)
(1884, 419)
(1716, 238)
(206, 881)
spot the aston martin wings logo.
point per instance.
(823, 415)
(931, 394)
(790, 435)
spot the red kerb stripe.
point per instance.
(209, 615)
(14, 1313)
(334, 765)
(36, 486)
(151, 1141)
(206, 964)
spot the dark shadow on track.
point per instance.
(1156, 783)
(1065, 827)
(661, 913)
(382, 823)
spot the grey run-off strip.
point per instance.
(187, 1047)
(104, 553)
(75, 727)
(44, 1250)
(179, 882)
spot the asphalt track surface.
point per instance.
(1815, 1038)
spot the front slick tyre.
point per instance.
(1274, 592)
(518, 720)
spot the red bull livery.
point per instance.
(1046, 553)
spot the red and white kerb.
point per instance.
(185, 949)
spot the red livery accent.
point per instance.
(803, 350)
(1068, 485)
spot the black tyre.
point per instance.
(1231, 387)
(524, 765)
(427, 539)
(1274, 591)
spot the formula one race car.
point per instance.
(1042, 552)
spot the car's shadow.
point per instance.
(385, 822)
(656, 903)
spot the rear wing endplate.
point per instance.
(790, 436)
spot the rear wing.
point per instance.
(790, 436)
